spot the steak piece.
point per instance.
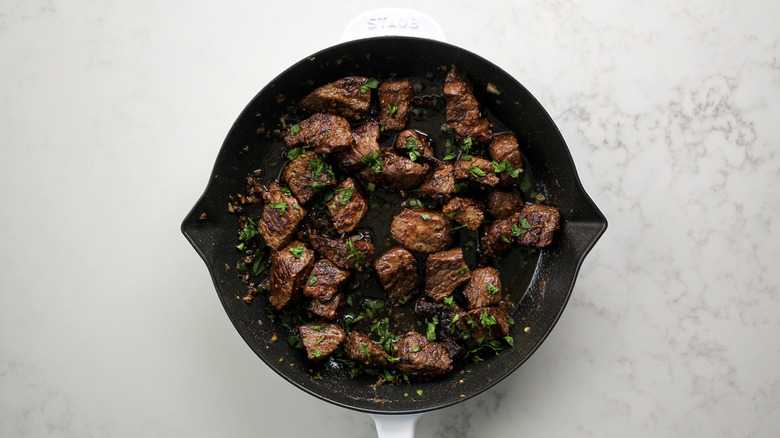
(536, 224)
(421, 230)
(476, 169)
(446, 314)
(502, 205)
(439, 184)
(397, 272)
(365, 142)
(463, 110)
(307, 175)
(401, 173)
(454, 350)
(325, 281)
(420, 358)
(502, 148)
(445, 271)
(362, 349)
(485, 324)
(414, 144)
(497, 238)
(348, 206)
(321, 339)
(330, 309)
(342, 97)
(344, 253)
(484, 288)
(281, 216)
(395, 103)
(324, 133)
(465, 211)
(290, 268)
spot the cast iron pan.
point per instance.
(540, 290)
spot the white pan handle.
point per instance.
(393, 21)
(395, 426)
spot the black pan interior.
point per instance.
(540, 292)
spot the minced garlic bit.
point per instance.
(202, 216)
(527, 329)
(274, 337)
(492, 89)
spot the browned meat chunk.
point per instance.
(454, 350)
(306, 175)
(395, 103)
(343, 97)
(420, 358)
(281, 216)
(484, 288)
(330, 309)
(463, 110)
(445, 271)
(365, 143)
(502, 205)
(324, 133)
(290, 268)
(535, 225)
(347, 253)
(414, 144)
(325, 281)
(348, 206)
(476, 169)
(485, 324)
(497, 238)
(421, 230)
(465, 211)
(401, 173)
(446, 312)
(397, 272)
(360, 348)
(505, 152)
(439, 184)
(321, 339)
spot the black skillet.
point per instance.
(539, 290)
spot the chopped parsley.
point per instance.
(430, 333)
(438, 103)
(393, 110)
(364, 350)
(463, 270)
(476, 172)
(447, 130)
(370, 187)
(419, 112)
(354, 252)
(317, 165)
(468, 142)
(486, 320)
(295, 153)
(281, 206)
(370, 83)
(248, 231)
(412, 144)
(524, 227)
(318, 328)
(506, 167)
(312, 280)
(420, 392)
(416, 349)
(294, 129)
(493, 289)
(297, 251)
(286, 191)
(386, 338)
(449, 301)
(456, 228)
(372, 160)
(414, 202)
(316, 353)
(426, 217)
(345, 195)
(504, 238)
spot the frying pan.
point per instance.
(539, 290)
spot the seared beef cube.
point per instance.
(362, 349)
(484, 288)
(290, 268)
(463, 110)
(476, 169)
(365, 143)
(395, 103)
(306, 175)
(503, 148)
(330, 309)
(281, 216)
(502, 205)
(346, 254)
(325, 281)
(420, 358)
(465, 211)
(497, 238)
(324, 133)
(439, 184)
(447, 313)
(454, 350)
(348, 206)
(535, 225)
(401, 173)
(397, 272)
(421, 230)
(342, 97)
(485, 324)
(414, 144)
(445, 271)
(321, 339)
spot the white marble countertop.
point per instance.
(112, 114)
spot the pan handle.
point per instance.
(395, 426)
(393, 21)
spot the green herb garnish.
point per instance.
(294, 129)
(393, 110)
(372, 160)
(370, 83)
(281, 206)
(524, 227)
(493, 289)
(345, 195)
(476, 172)
(297, 251)
(312, 280)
